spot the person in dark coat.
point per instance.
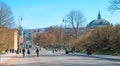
(28, 51)
(88, 51)
(73, 49)
(37, 51)
(23, 52)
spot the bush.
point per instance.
(1, 52)
(117, 54)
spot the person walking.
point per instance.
(91, 52)
(28, 51)
(73, 49)
(88, 51)
(23, 52)
(37, 51)
(53, 51)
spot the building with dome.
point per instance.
(99, 22)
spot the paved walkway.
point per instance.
(6, 59)
(47, 58)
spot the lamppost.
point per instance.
(64, 20)
(19, 33)
(66, 37)
(66, 45)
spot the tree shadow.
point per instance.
(93, 56)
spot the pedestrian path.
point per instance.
(7, 58)
(47, 58)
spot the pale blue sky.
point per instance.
(45, 13)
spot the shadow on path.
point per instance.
(94, 56)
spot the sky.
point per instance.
(45, 13)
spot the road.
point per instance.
(47, 58)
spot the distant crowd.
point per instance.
(23, 51)
(27, 51)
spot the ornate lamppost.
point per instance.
(20, 32)
(66, 45)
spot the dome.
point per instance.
(98, 22)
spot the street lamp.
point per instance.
(19, 33)
(64, 20)
(66, 46)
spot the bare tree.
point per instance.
(75, 20)
(114, 5)
(6, 17)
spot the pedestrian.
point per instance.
(23, 52)
(10, 50)
(53, 51)
(88, 51)
(17, 51)
(28, 51)
(91, 52)
(20, 50)
(37, 51)
(6, 51)
(73, 49)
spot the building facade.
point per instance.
(8, 39)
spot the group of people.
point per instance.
(88, 51)
(10, 50)
(28, 51)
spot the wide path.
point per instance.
(47, 58)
